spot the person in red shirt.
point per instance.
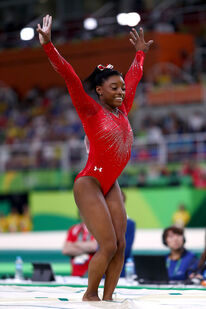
(80, 245)
(105, 121)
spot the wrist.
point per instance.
(46, 42)
(140, 52)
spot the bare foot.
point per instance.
(90, 297)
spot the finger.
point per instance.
(39, 30)
(50, 21)
(150, 43)
(47, 20)
(134, 31)
(131, 40)
(133, 37)
(44, 22)
(38, 27)
(141, 33)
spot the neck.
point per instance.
(176, 254)
(108, 107)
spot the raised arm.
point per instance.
(82, 102)
(135, 72)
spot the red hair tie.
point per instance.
(102, 67)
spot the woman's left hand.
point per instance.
(137, 40)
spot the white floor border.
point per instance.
(61, 297)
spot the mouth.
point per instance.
(119, 99)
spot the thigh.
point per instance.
(117, 210)
(94, 210)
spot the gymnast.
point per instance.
(105, 121)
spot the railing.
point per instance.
(72, 155)
(170, 149)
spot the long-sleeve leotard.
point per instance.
(110, 137)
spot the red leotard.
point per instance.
(110, 136)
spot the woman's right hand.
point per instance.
(45, 30)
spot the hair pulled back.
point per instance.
(97, 77)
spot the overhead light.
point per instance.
(128, 19)
(27, 34)
(122, 19)
(90, 23)
(133, 19)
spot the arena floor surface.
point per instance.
(63, 296)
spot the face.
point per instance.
(174, 241)
(112, 91)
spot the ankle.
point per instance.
(107, 298)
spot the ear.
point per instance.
(99, 90)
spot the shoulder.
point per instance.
(189, 254)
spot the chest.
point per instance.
(113, 129)
(112, 136)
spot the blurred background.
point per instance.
(41, 137)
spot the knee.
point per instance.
(111, 248)
(121, 245)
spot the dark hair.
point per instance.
(97, 77)
(175, 230)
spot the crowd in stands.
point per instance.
(172, 123)
(16, 221)
(49, 117)
(187, 173)
(40, 116)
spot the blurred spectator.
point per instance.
(80, 245)
(199, 178)
(154, 172)
(181, 217)
(142, 179)
(13, 220)
(25, 222)
(180, 262)
(197, 173)
(3, 223)
(188, 168)
(196, 122)
(154, 133)
(17, 220)
(130, 235)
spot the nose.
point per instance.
(120, 91)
